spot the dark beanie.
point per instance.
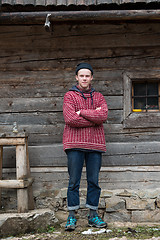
(84, 66)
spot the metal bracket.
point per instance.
(48, 26)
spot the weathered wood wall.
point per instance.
(37, 68)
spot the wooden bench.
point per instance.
(23, 181)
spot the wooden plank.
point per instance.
(23, 85)
(113, 29)
(32, 84)
(80, 16)
(21, 171)
(38, 3)
(91, 2)
(31, 2)
(68, 30)
(1, 163)
(16, 183)
(81, 2)
(115, 116)
(46, 134)
(146, 153)
(71, 2)
(47, 104)
(51, 134)
(127, 83)
(30, 190)
(132, 160)
(1, 160)
(31, 104)
(50, 118)
(136, 148)
(119, 169)
(50, 179)
(9, 134)
(32, 118)
(130, 176)
(114, 102)
(61, 2)
(50, 2)
(108, 180)
(140, 120)
(88, 41)
(118, 154)
(12, 141)
(126, 60)
(115, 53)
(18, 2)
(103, 169)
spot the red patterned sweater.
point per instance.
(84, 131)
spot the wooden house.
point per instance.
(41, 42)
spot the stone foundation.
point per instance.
(119, 205)
(135, 206)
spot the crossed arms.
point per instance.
(84, 117)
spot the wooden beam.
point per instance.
(30, 189)
(1, 162)
(12, 141)
(16, 183)
(21, 166)
(13, 18)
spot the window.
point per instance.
(145, 96)
(141, 107)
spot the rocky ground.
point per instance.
(83, 232)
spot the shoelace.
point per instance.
(71, 220)
(97, 219)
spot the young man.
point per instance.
(84, 112)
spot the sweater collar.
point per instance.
(89, 91)
(84, 90)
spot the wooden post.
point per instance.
(30, 191)
(21, 166)
(1, 160)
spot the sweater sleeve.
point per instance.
(71, 117)
(97, 116)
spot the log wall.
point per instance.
(37, 68)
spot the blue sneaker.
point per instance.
(96, 222)
(71, 223)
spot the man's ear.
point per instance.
(76, 77)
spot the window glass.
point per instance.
(145, 96)
(152, 103)
(152, 89)
(140, 103)
(139, 89)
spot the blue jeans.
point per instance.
(76, 160)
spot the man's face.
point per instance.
(84, 78)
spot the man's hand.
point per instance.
(78, 112)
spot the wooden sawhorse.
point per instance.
(23, 181)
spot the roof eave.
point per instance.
(23, 18)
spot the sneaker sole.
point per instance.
(94, 225)
(70, 228)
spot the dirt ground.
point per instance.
(82, 232)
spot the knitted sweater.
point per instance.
(84, 131)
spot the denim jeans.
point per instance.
(76, 160)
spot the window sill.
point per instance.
(142, 120)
